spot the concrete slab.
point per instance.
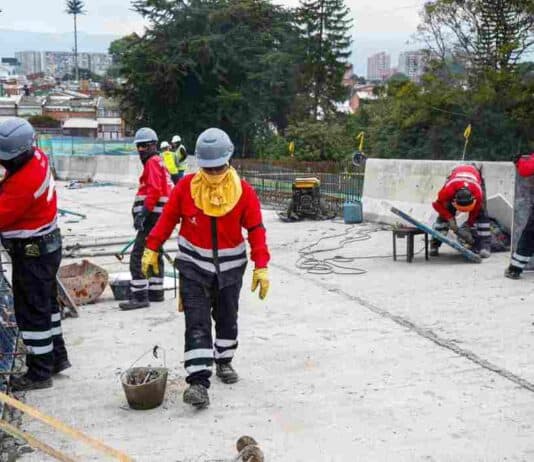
(429, 361)
(501, 210)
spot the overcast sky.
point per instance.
(378, 24)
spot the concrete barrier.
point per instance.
(412, 186)
(116, 169)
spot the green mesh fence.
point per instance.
(59, 145)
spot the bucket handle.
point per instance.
(154, 350)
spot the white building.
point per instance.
(31, 62)
(379, 66)
(412, 64)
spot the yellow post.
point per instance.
(291, 149)
(467, 135)
(361, 138)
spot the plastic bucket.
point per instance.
(352, 212)
(143, 395)
(120, 289)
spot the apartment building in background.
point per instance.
(59, 63)
(412, 64)
(379, 66)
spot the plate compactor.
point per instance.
(306, 201)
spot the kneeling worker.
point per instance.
(29, 232)
(212, 207)
(463, 192)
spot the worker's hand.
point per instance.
(260, 277)
(180, 305)
(465, 234)
(139, 220)
(452, 225)
(150, 262)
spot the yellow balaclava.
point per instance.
(216, 195)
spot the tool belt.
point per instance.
(34, 246)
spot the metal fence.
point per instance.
(62, 145)
(273, 180)
(8, 333)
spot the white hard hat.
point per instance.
(214, 148)
(145, 135)
(164, 145)
(176, 139)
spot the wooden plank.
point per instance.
(34, 442)
(60, 426)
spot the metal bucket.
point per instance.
(144, 387)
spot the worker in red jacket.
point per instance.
(212, 206)
(152, 195)
(30, 233)
(525, 245)
(463, 192)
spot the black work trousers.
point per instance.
(481, 231)
(525, 245)
(37, 311)
(202, 303)
(141, 288)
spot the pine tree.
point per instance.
(325, 26)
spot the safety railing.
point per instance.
(62, 145)
(273, 180)
(8, 333)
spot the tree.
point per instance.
(75, 7)
(325, 26)
(206, 63)
(485, 34)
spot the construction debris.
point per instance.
(83, 281)
(249, 450)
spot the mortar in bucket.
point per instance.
(144, 387)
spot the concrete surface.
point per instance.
(412, 186)
(429, 361)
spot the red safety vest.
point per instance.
(199, 232)
(154, 187)
(28, 201)
(464, 176)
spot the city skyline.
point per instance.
(378, 25)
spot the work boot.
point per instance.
(134, 304)
(484, 253)
(434, 251)
(156, 297)
(227, 373)
(25, 383)
(61, 366)
(513, 272)
(197, 396)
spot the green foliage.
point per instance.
(75, 7)
(315, 140)
(44, 121)
(473, 77)
(206, 63)
(325, 26)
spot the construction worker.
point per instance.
(169, 160)
(463, 192)
(181, 155)
(153, 193)
(525, 245)
(212, 207)
(30, 233)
